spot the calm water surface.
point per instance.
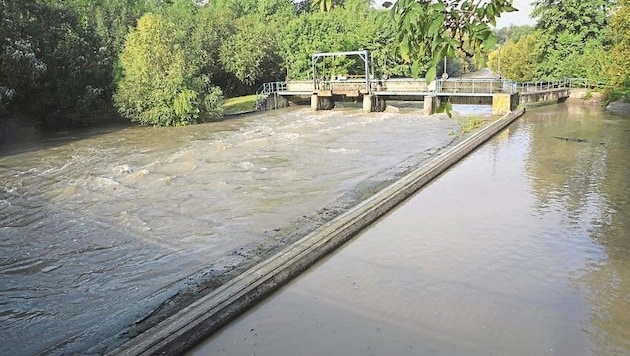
(523, 248)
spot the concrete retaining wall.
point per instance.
(553, 95)
(274, 101)
(196, 322)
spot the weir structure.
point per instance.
(183, 330)
(322, 91)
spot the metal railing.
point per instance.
(341, 84)
(475, 86)
(265, 91)
(588, 84)
(541, 86)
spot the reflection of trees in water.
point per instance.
(609, 282)
(590, 181)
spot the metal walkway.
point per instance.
(353, 86)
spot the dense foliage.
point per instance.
(572, 38)
(428, 31)
(619, 71)
(169, 62)
(51, 66)
(161, 82)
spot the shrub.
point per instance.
(161, 83)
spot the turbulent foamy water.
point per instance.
(100, 227)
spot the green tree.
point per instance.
(162, 84)
(246, 53)
(517, 59)
(619, 70)
(350, 25)
(428, 31)
(250, 53)
(323, 5)
(594, 62)
(316, 32)
(565, 27)
(46, 54)
(513, 33)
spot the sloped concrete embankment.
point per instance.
(197, 321)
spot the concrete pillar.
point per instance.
(504, 103)
(431, 104)
(314, 102)
(367, 103)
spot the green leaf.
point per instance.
(446, 107)
(435, 26)
(439, 6)
(431, 74)
(415, 69)
(449, 108)
(489, 11)
(490, 43)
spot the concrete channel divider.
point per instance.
(193, 324)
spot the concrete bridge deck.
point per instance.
(503, 95)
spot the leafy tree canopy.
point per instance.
(620, 27)
(162, 84)
(516, 59)
(565, 27)
(513, 33)
(431, 30)
(46, 54)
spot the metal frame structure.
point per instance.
(363, 54)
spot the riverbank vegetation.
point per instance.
(572, 39)
(156, 62)
(171, 62)
(239, 104)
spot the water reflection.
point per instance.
(520, 249)
(589, 180)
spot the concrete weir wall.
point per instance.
(275, 101)
(196, 322)
(554, 95)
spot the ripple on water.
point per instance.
(147, 192)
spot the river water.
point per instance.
(523, 248)
(104, 232)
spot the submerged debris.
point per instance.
(570, 139)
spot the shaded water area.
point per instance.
(104, 232)
(522, 248)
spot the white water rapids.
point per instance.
(100, 227)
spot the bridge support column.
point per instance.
(504, 103)
(367, 103)
(314, 102)
(431, 104)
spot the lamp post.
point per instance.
(444, 74)
(499, 65)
